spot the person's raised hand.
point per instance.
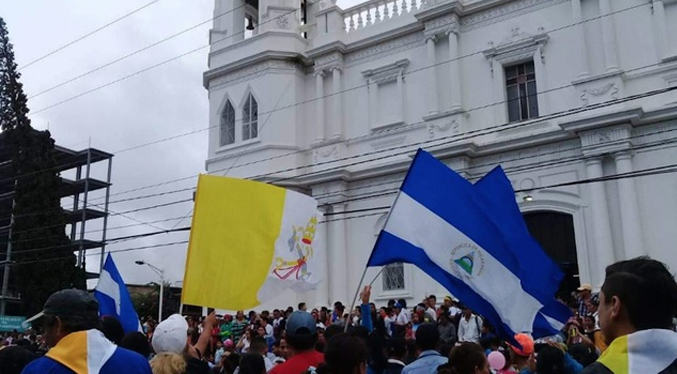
(366, 294)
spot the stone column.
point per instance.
(608, 36)
(321, 247)
(632, 227)
(601, 228)
(454, 66)
(337, 101)
(433, 107)
(338, 282)
(660, 28)
(579, 32)
(319, 105)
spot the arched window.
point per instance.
(250, 118)
(227, 135)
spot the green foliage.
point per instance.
(45, 262)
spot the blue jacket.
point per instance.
(122, 361)
(426, 363)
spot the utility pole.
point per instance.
(7, 263)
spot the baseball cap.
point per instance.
(171, 335)
(300, 324)
(527, 344)
(398, 306)
(68, 303)
(585, 287)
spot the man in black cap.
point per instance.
(70, 319)
(301, 339)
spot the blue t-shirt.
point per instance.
(122, 361)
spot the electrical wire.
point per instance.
(113, 62)
(360, 86)
(88, 34)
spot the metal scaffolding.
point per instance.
(81, 212)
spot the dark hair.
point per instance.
(258, 344)
(427, 337)
(550, 361)
(432, 297)
(403, 303)
(14, 359)
(646, 289)
(71, 324)
(301, 305)
(463, 359)
(331, 331)
(343, 354)
(252, 363)
(112, 329)
(136, 342)
(396, 347)
(302, 343)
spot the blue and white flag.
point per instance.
(498, 197)
(114, 300)
(445, 226)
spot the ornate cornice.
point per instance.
(510, 9)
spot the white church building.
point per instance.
(573, 98)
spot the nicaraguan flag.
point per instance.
(114, 300)
(542, 281)
(442, 224)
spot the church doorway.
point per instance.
(554, 231)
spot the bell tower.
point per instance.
(255, 80)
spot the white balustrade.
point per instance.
(376, 11)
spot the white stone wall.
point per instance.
(342, 111)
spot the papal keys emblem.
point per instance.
(300, 241)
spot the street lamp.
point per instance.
(161, 273)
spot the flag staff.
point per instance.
(364, 273)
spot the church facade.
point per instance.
(573, 98)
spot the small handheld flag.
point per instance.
(113, 297)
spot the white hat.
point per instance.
(171, 335)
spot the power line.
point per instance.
(146, 69)
(464, 135)
(659, 170)
(351, 89)
(453, 138)
(666, 169)
(88, 34)
(113, 62)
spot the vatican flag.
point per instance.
(249, 242)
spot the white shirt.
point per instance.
(276, 322)
(389, 322)
(402, 318)
(432, 314)
(268, 363)
(454, 311)
(470, 330)
(269, 332)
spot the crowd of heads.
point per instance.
(638, 294)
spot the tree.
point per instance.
(45, 262)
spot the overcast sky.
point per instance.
(161, 102)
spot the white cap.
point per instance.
(171, 335)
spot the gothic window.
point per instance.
(250, 119)
(520, 82)
(393, 277)
(227, 125)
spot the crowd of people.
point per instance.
(627, 328)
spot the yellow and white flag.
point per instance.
(249, 241)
